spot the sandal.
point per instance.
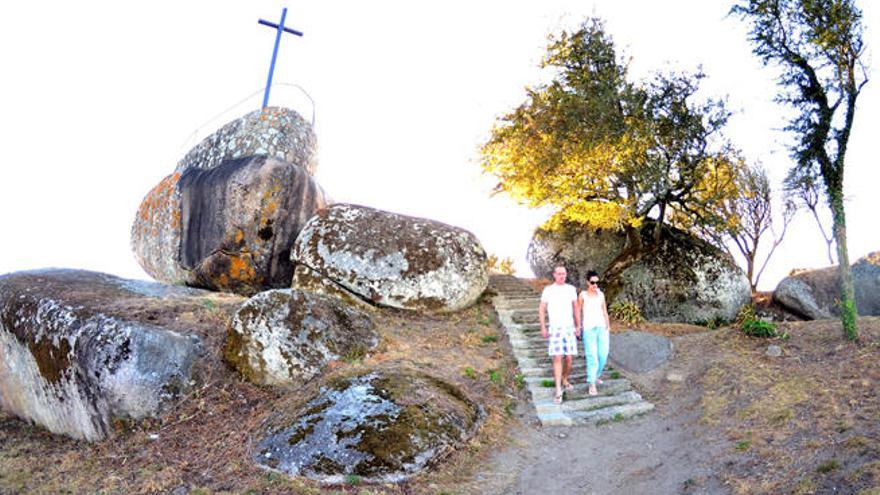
(568, 387)
(557, 399)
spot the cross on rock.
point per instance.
(279, 27)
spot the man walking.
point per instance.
(559, 301)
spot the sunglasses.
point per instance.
(594, 282)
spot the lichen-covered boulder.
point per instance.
(228, 228)
(309, 280)
(273, 131)
(70, 363)
(394, 260)
(813, 294)
(287, 336)
(679, 279)
(578, 248)
(382, 427)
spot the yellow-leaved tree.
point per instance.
(608, 152)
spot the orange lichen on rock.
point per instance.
(157, 200)
(241, 268)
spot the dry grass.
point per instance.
(806, 422)
(203, 444)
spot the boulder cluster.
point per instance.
(243, 214)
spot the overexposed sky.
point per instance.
(100, 100)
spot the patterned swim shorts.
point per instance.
(562, 342)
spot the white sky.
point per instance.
(100, 100)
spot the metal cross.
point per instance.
(279, 27)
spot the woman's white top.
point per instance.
(594, 316)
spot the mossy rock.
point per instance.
(79, 349)
(309, 280)
(286, 336)
(394, 260)
(681, 278)
(381, 426)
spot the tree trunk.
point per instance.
(750, 268)
(848, 312)
(658, 228)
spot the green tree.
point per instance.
(607, 152)
(818, 46)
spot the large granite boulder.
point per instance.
(394, 260)
(578, 248)
(227, 228)
(382, 427)
(70, 360)
(813, 294)
(287, 336)
(681, 278)
(273, 131)
(678, 279)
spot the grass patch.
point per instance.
(778, 404)
(547, 383)
(487, 339)
(614, 375)
(470, 373)
(494, 376)
(617, 418)
(519, 380)
(742, 445)
(828, 466)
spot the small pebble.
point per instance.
(562, 435)
(674, 377)
(153, 436)
(773, 350)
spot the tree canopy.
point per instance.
(608, 152)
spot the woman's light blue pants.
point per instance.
(596, 351)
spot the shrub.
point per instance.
(504, 266)
(626, 311)
(746, 312)
(758, 328)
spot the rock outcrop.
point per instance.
(71, 360)
(382, 427)
(287, 336)
(813, 294)
(679, 279)
(578, 248)
(227, 228)
(394, 260)
(277, 132)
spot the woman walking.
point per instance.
(591, 302)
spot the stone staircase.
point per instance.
(517, 308)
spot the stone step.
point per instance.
(528, 317)
(524, 303)
(608, 388)
(587, 404)
(517, 308)
(583, 418)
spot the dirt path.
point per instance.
(656, 453)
